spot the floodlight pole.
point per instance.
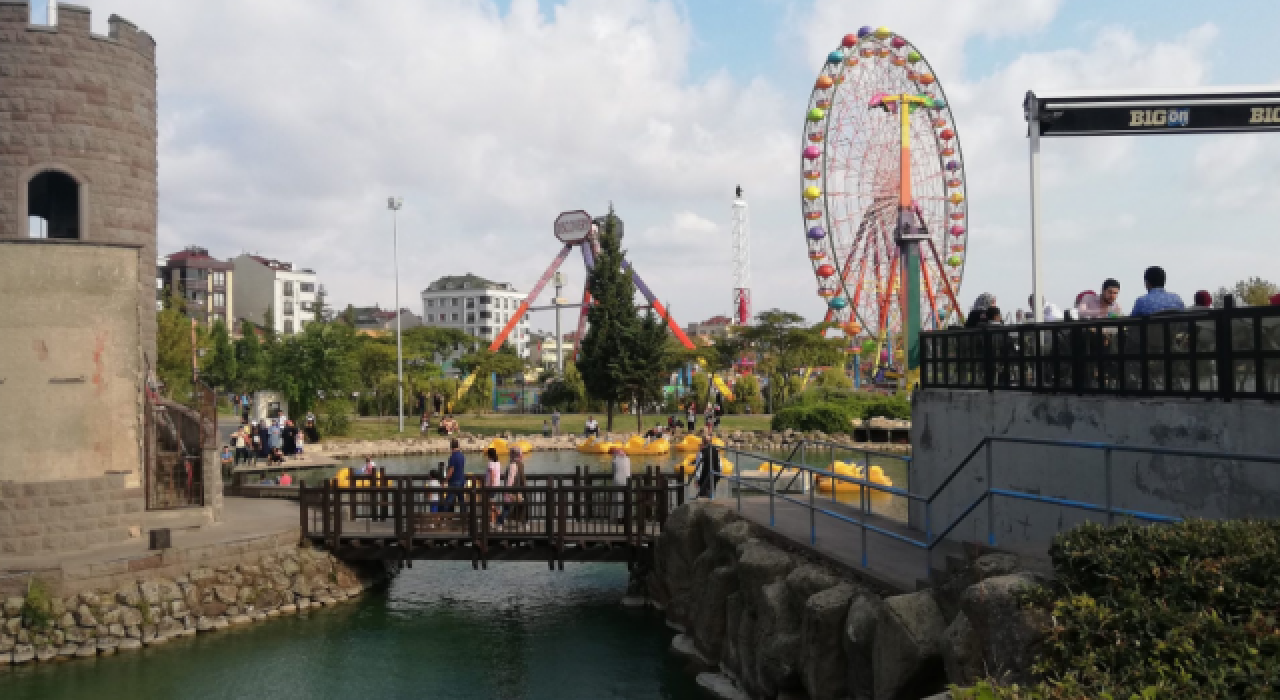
(1037, 278)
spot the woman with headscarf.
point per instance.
(978, 314)
(514, 510)
(621, 474)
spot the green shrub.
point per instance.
(37, 608)
(801, 413)
(334, 417)
(1184, 610)
(828, 417)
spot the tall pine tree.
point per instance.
(613, 323)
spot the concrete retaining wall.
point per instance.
(948, 424)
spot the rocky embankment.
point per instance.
(752, 441)
(767, 623)
(44, 627)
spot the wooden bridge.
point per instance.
(554, 518)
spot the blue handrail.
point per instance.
(988, 495)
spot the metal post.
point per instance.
(991, 503)
(865, 494)
(866, 476)
(813, 517)
(394, 204)
(559, 282)
(1037, 279)
(769, 479)
(1106, 455)
(834, 485)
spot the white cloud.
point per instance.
(285, 125)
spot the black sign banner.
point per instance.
(1073, 120)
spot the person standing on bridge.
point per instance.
(708, 461)
(493, 480)
(555, 422)
(514, 510)
(621, 474)
(457, 476)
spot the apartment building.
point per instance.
(203, 283)
(264, 285)
(476, 306)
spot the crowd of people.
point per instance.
(1091, 304)
(273, 440)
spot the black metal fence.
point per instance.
(1219, 354)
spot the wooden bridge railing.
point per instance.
(400, 517)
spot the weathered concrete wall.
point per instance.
(84, 105)
(948, 424)
(70, 374)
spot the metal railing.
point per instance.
(550, 510)
(1218, 353)
(931, 539)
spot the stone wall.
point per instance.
(767, 623)
(54, 516)
(149, 609)
(947, 424)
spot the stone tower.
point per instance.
(78, 204)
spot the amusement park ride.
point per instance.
(576, 229)
(883, 199)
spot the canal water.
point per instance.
(440, 630)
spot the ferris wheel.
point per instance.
(880, 144)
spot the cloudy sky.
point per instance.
(285, 124)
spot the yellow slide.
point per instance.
(724, 389)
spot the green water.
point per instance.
(440, 630)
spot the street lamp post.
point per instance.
(394, 204)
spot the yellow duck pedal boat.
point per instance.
(693, 443)
(503, 447)
(726, 467)
(637, 446)
(597, 447)
(855, 472)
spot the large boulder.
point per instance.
(731, 656)
(859, 642)
(707, 522)
(730, 538)
(1008, 635)
(759, 565)
(709, 617)
(777, 648)
(804, 582)
(961, 652)
(907, 655)
(949, 591)
(825, 669)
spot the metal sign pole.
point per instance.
(1037, 276)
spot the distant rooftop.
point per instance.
(467, 281)
(279, 265)
(195, 256)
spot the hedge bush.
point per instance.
(1181, 611)
(833, 410)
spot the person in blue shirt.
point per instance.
(1156, 299)
(457, 476)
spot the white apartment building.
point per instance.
(262, 284)
(476, 306)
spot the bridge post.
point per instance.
(562, 516)
(485, 509)
(663, 502)
(577, 481)
(549, 521)
(627, 496)
(469, 504)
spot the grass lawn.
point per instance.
(529, 423)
